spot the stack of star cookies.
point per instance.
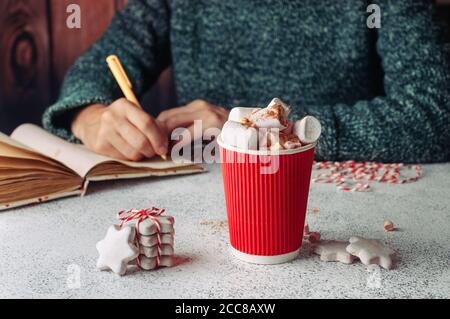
(155, 238)
(143, 237)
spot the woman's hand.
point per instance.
(212, 116)
(121, 130)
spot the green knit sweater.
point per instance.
(380, 94)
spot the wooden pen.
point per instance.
(124, 82)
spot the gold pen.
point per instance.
(124, 82)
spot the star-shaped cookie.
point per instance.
(117, 249)
(371, 251)
(151, 263)
(333, 250)
(149, 227)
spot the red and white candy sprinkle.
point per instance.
(355, 176)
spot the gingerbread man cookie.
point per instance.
(334, 250)
(371, 251)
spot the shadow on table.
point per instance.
(178, 261)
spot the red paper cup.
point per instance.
(266, 195)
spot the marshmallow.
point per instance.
(274, 139)
(289, 128)
(290, 141)
(275, 115)
(238, 113)
(276, 147)
(150, 241)
(265, 138)
(308, 129)
(149, 227)
(149, 263)
(164, 250)
(277, 101)
(239, 135)
(268, 128)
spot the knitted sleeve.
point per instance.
(411, 122)
(139, 36)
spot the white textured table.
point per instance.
(43, 248)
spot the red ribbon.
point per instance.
(140, 215)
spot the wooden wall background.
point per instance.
(36, 48)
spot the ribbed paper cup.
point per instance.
(266, 195)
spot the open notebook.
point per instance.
(36, 166)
